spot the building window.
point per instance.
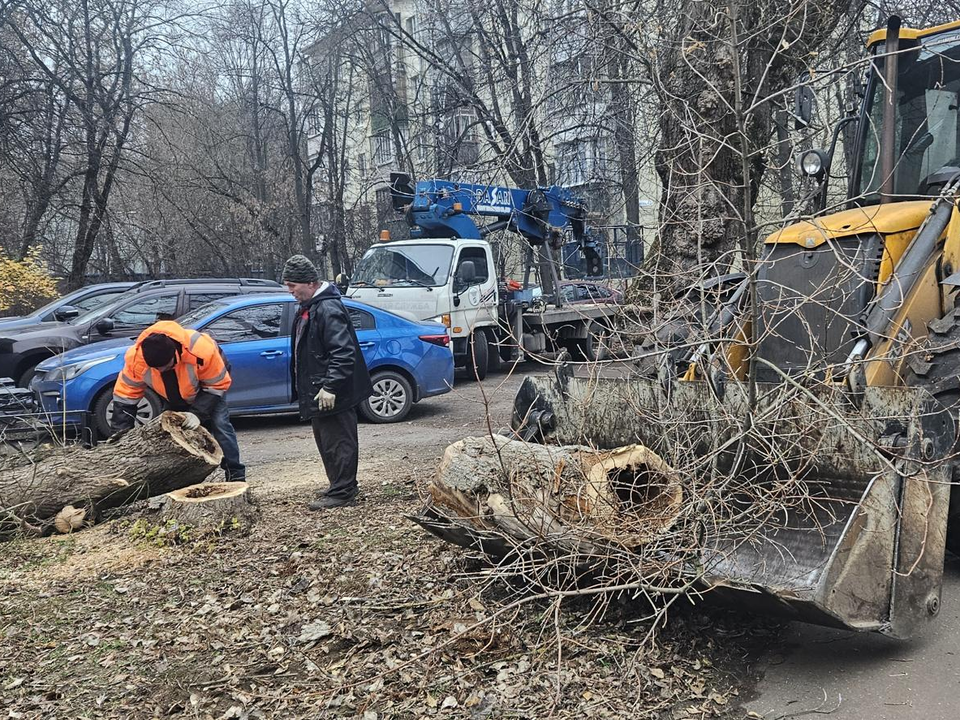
(314, 121)
(581, 161)
(381, 148)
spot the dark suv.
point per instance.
(126, 316)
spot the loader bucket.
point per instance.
(815, 505)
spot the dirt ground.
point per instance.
(349, 613)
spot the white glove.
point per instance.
(190, 421)
(325, 400)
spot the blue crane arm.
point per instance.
(440, 208)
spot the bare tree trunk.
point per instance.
(149, 460)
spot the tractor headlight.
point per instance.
(69, 372)
(813, 163)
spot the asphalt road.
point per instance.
(825, 673)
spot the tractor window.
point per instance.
(927, 130)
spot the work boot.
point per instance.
(325, 502)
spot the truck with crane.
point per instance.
(447, 271)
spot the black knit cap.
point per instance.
(299, 269)
(158, 349)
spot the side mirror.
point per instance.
(342, 281)
(67, 312)
(105, 326)
(803, 102)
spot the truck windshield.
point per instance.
(385, 265)
(927, 131)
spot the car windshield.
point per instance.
(54, 304)
(426, 264)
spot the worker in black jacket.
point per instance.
(330, 377)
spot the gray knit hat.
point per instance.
(299, 269)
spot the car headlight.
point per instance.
(69, 372)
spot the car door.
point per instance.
(137, 315)
(256, 341)
(369, 337)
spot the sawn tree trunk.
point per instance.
(150, 460)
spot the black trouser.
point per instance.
(336, 437)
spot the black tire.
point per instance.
(149, 407)
(596, 346)
(27, 375)
(478, 355)
(391, 400)
(494, 361)
(936, 368)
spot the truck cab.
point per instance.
(451, 281)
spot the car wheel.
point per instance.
(391, 400)
(147, 409)
(27, 375)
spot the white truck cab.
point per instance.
(432, 279)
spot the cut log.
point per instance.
(149, 460)
(572, 497)
(210, 507)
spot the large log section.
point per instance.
(149, 460)
(571, 496)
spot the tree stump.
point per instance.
(149, 460)
(210, 508)
(572, 497)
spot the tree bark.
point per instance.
(702, 155)
(569, 496)
(149, 460)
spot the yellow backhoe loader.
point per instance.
(815, 422)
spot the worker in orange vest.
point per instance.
(187, 370)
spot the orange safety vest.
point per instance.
(200, 366)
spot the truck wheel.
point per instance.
(596, 346)
(942, 352)
(148, 408)
(478, 355)
(494, 360)
(391, 400)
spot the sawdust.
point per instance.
(79, 557)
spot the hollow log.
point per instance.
(210, 507)
(574, 497)
(149, 460)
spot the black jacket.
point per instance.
(327, 355)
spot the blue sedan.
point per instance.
(408, 361)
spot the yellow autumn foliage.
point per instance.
(25, 284)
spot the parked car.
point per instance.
(408, 361)
(69, 306)
(128, 314)
(584, 291)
